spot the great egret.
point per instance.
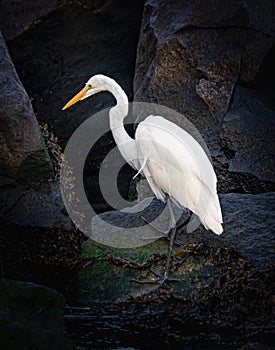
(173, 162)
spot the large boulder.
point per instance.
(224, 282)
(191, 57)
(31, 317)
(29, 195)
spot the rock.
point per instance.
(28, 195)
(249, 135)
(31, 317)
(248, 225)
(41, 206)
(223, 283)
(192, 56)
(16, 17)
(20, 136)
(52, 79)
(54, 69)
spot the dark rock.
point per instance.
(104, 40)
(191, 56)
(55, 68)
(248, 225)
(45, 256)
(31, 317)
(236, 182)
(224, 282)
(20, 135)
(249, 134)
(18, 16)
(41, 206)
(28, 197)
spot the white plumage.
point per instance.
(178, 166)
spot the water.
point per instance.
(105, 327)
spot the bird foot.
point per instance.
(160, 280)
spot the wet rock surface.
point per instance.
(248, 226)
(224, 285)
(224, 296)
(41, 255)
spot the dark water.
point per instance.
(101, 327)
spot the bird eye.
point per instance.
(89, 85)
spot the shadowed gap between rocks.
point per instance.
(57, 56)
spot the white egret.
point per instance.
(173, 162)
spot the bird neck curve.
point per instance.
(118, 112)
(126, 145)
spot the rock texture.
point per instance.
(56, 67)
(223, 289)
(249, 221)
(16, 16)
(194, 57)
(20, 134)
(248, 225)
(31, 317)
(27, 195)
(249, 134)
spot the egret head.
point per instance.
(94, 85)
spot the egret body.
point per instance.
(173, 162)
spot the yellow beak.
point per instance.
(77, 97)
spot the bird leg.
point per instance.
(167, 233)
(171, 236)
(164, 234)
(173, 229)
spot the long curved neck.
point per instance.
(126, 145)
(118, 113)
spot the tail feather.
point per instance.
(213, 218)
(211, 224)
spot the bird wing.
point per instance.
(176, 165)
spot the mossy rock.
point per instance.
(223, 282)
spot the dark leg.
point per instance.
(168, 233)
(172, 233)
(173, 229)
(164, 234)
